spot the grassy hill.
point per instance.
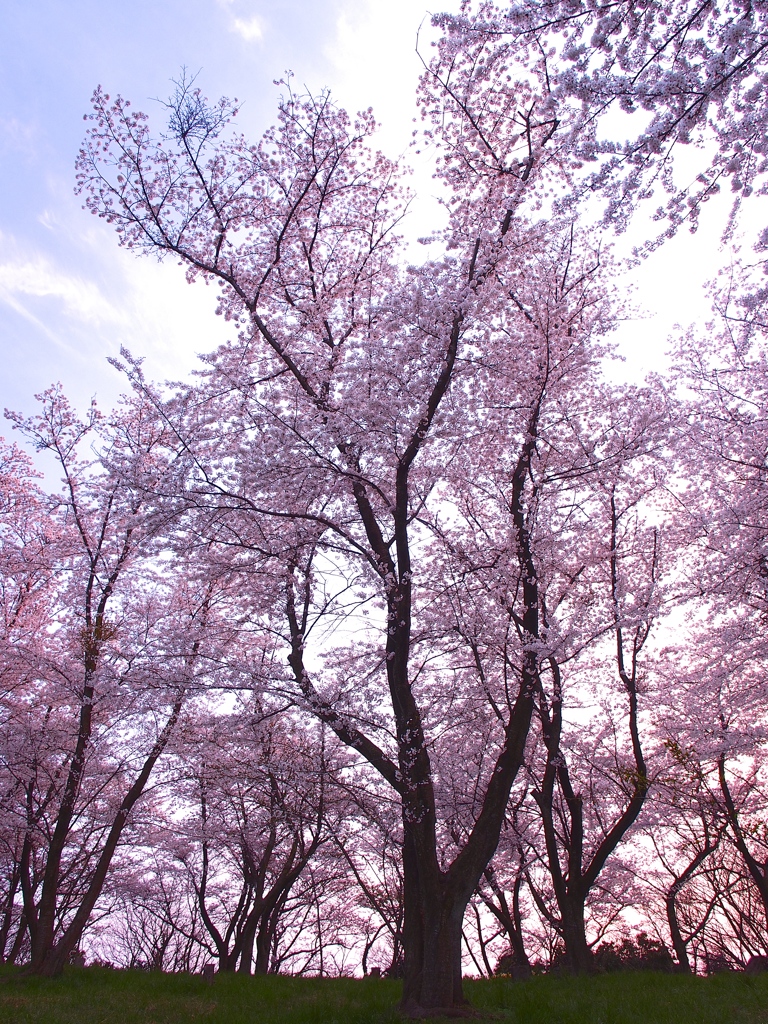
(100, 996)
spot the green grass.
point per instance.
(627, 998)
(98, 996)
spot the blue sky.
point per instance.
(69, 297)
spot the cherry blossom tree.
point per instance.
(685, 828)
(501, 890)
(262, 792)
(699, 880)
(126, 633)
(670, 73)
(370, 841)
(359, 380)
(27, 582)
(147, 915)
(397, 444)
(589, 791)
(723, 509)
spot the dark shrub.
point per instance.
(640, 953)
(510, 966)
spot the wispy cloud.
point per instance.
(251, 28)
(17, 135)
(33, 277)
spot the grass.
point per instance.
(99, 996)
(626, 998)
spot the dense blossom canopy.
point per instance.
(400, 543)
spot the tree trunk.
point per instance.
(510, 918)
(246, 947)
(758, 872)
(18, 942)
(432, 941)
(678, 942)
(13, 885)
(578, 955)
(56, 958)
(228, 960)
(264, 940)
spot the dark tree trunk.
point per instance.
(432, 940)
(573, 881)
(18, 942)
(578, 955)
(246, 947)
(265, 939)
(758, 872)
(509, 918)
(43, 921)
(8, 913)
(679, 944)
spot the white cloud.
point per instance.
(32, 276)
(17, 135)
(250, 29)
(102, 298)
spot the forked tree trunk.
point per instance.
(432, 940)
(578, 955)
(573, 883)
(758, 871)
(509, 917)
(679, 943)
(435, 901)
